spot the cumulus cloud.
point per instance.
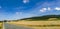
(25, 1)
(43, 10)
(57, 8)
(49, 8)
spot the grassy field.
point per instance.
(38, 24)
(1, 25)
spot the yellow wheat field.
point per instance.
(1, 25)
(34, 24)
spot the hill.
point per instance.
(46, 17)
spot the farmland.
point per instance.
(1, 25)
(38, 24)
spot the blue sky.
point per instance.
(17, 9)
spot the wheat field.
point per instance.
(38, 24)
(1, 25)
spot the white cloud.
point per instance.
(57, 8)
(25, 1)
(49, 8)
(43, 10)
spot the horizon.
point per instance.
(27, 17)
(18, 9)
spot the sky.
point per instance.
(18, 9)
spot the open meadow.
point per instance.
(1, 25)
(38, 24)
